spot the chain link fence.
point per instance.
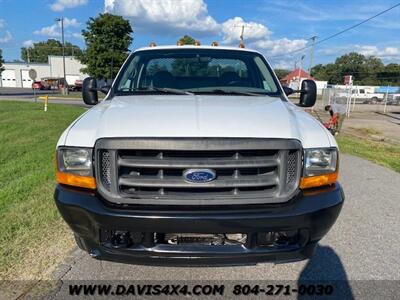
(348, 100)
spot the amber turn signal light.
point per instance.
(76, 180)
(320, 180)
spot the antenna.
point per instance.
(242, 26)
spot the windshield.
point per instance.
(186, 71)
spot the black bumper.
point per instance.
(311, 215)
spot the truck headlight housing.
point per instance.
(320, 167)
(74, 167)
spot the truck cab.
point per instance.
(197, 157)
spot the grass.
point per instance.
(385, 154)
(367, 131)
(29, 221)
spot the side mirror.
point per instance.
(89, 91)
(308, 93)
(105, 89)
(287, 90)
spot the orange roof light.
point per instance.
(214, 44)
(76, 180)
(241, 45)
(179, 43)
(197, 43)
(320, 180)
(152, 44)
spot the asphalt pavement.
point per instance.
(361, 248)
(27, 95)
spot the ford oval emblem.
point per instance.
(199, 175)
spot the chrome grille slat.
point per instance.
(221, 182)
(150, 171)
(174, 163)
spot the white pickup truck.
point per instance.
(197, 157)
(366, 96)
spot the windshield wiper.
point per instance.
(170, 91)
(231, 92)
(156, 89)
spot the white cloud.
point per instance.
(51, 31)
(166, 16)
(231, 30)
(77, 35)
(2, 23)
(280, 46)
(176, 17)
(6, 38)
(55, 29)
(369, 50)
(71, 22)
(28, 43)
(60, 5)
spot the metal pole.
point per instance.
(312, 53)
(386, 98)
(63, 54)
(65, 88)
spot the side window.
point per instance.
(267, 79)
(130, 75)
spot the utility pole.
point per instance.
(300, 64)
(65, 88)
(312, 53)
(28, 56)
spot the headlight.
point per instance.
(320, 167)
(74, 167)
(320, 161)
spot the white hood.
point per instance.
(196, 116)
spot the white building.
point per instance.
(16, 74)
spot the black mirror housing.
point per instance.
(89, 91)
(105, 89)
(287, 90)
(308, 93)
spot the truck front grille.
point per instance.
(150, 171)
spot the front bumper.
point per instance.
(311, 214)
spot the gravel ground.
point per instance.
(363, 246)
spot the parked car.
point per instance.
(40, 85)
(77, 86)
(197, 157)
(393, 99)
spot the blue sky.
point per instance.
(272, 27)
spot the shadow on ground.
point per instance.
(326, 268)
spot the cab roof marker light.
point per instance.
(152, 44)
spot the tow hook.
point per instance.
(94, 253)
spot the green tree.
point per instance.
(1, 61)
(187, 40)
(40, 51)
(366, 70)
(181, 66)
(280, 73)
(107, 39)
(390, 75)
